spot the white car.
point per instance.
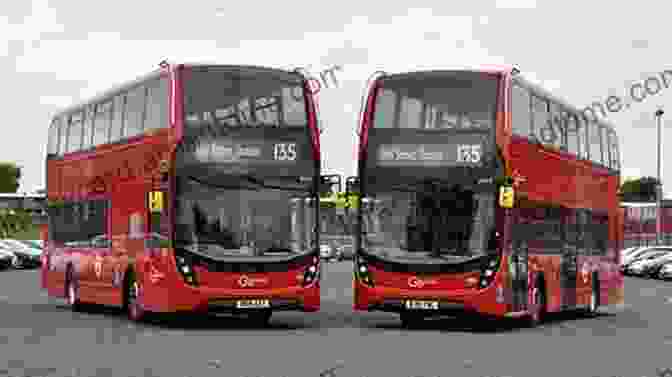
(638, 266)
(24, 255)
(665, 272)
(641, 252)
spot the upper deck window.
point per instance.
(244, 97)
(437, 101)
(75, 132)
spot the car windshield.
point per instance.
(428, 221)
(655, 255)
(228, 216)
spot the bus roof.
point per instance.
(114, 90)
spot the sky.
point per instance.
(55, 53)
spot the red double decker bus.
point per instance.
(483, 194)
(194, 188)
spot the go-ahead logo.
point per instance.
(249, 282)
(416, 282)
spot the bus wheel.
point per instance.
(72, 292)
(410, 320)
(16, 262)
(261, 318)
(134, 310)
(535, 317)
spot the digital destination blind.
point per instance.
(264, 152)
(429, 155)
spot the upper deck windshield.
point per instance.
(216, 97)
(437, 101)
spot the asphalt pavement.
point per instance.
(39, 336)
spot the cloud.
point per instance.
(516, 4)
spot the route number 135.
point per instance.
(284, 152)
(469, 153)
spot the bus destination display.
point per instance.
(429, 155)
(236, 152)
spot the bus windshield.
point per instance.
(224, 215)
(437, 101)
(426, 221)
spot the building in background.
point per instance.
(35, 204)
(640, 223)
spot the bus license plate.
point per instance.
(253, 304)
(422, 305)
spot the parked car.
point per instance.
(24, 256)
(652, 267)
(665, 271)
(646, 266)
(639, 265)
(638, 253)
(6, 258)
(37, 244)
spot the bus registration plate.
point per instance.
(253, 304)
(422, 305)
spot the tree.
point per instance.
(13, 221)
(639, 190)
(10, 175)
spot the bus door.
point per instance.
(568, 264)
(519, 262)
(519, 276)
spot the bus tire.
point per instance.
(538, 310)
(72, 291)
(261, 318)
(410, 320)
(134, 310)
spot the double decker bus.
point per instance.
(191, 189)
(486, 196)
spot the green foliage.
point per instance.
(639, 190)
(13, 222)
(10, 175)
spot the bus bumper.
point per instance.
(391, 299)
(179, 297)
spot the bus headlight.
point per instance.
(363, 273)
(488, 271)
(184, 265)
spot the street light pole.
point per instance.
(659, 186)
